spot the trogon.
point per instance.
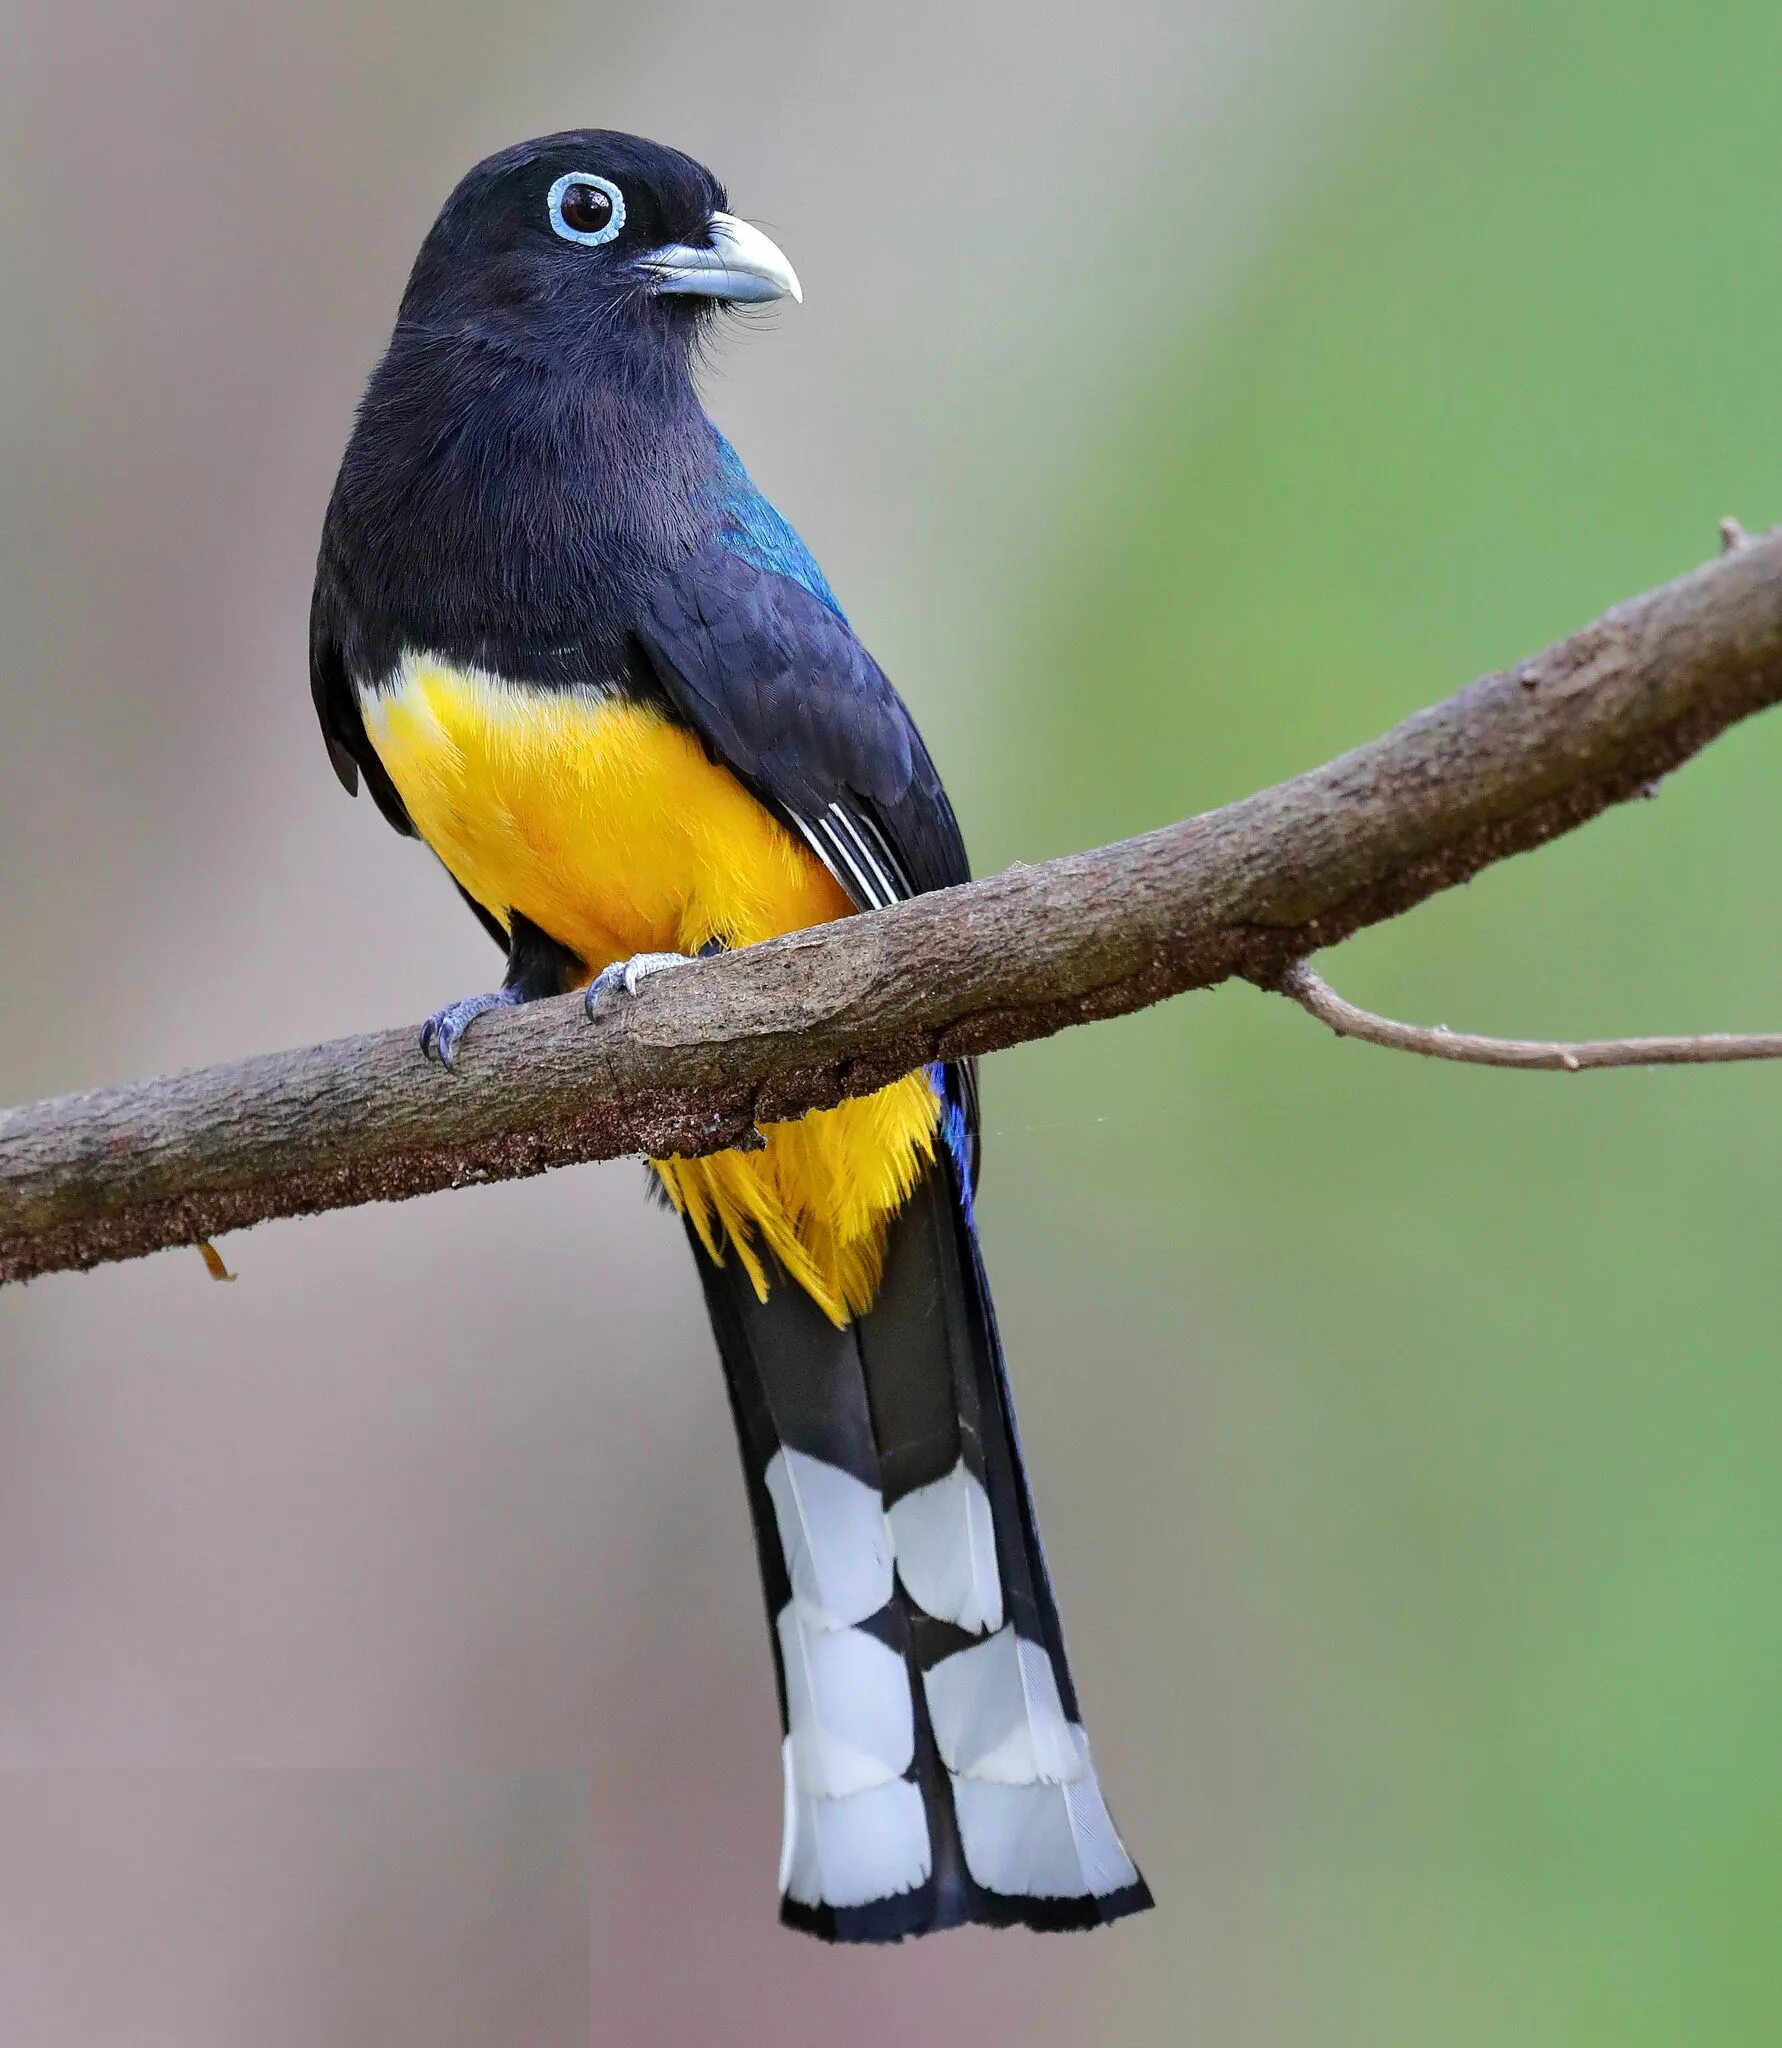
(568, 645)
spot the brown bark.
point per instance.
(707, 1052)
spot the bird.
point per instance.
(565, 642)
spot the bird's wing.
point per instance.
(337, 711)
(778, 688)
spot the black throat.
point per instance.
(509, 510)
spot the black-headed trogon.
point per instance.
(569, 645)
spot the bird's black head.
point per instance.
(584, 237)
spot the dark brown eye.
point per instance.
(586, 209)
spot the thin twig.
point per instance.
(1436, 1042)
(708, 1052)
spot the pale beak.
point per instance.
(742, 266)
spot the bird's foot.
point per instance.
(630, 975)
(443, 1032)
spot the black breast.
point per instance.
(507, 516)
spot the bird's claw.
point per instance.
(630, 975)
(444, 1031)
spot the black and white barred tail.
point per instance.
(936, 1769)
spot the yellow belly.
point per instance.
(612, 831)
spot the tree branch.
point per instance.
(1436, 1042)
(709, 1051)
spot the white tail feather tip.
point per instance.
(1043, 1841)
(849, 1852)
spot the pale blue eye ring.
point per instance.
(579, 183)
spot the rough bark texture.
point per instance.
(707, 1052)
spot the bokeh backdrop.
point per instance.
(1185, 390)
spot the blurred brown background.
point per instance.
(1185, 389)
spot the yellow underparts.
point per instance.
(612, 831)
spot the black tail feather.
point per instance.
(901, 1399)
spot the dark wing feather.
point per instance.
(778, 688)
(781, 692)
(337, 710)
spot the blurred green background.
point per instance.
(1199, 391)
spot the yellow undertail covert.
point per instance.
(611, 829)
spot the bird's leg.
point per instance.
(536, 966)
(629, 975)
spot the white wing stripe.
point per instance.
(902, 884)
(807, 833)
(887, 893)
(862, 890)
(855, 852)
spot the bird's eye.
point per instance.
(586, 209)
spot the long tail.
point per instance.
(936, 1769)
